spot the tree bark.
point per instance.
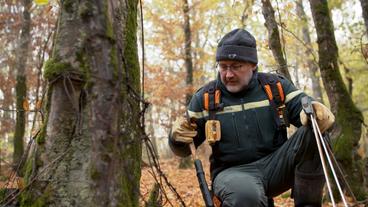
(21, 87)
(186, 162)
(247, 12)
(188, 50)
(274, 38)
(364, 4)
(349, 119)
(312, 65)
(88, 152)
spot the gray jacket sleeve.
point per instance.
(195, 110)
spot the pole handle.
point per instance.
(307, 105)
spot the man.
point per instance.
(253, 160)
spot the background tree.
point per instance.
(364, 4)
(274, 38)
(312, 65)
(188, 50)
(21, 87)
(349, 119)
(88, 152)
(187, 161)
(41, 24)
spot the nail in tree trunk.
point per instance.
(20, 87)
(349, 119)
(364, 4)
(274, 38)
(312, 65)
(187, 161)
(88, 152)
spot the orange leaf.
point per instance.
(26, 105)
(39, 104)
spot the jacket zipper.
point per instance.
(236, 129)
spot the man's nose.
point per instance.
(229, 73)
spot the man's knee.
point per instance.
(237, 189)
(245, 197)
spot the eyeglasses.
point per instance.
(233, 68)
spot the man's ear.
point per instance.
(254, 67)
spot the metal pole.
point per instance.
(322, 161)
(329, 161)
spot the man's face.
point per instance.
(235, 75)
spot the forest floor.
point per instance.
(186, 184)
(183, 180)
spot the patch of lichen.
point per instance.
(131, 153)
(94, 173)
(53, 68)
(2, 194)
(27, 200)
(68, 5)
(84, 67)
(131, 52)
(85, 10)
(349, 119)
(109, 27)
(40, 139)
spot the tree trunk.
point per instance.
(364, 4)
(247, 12)
(274, 38)
(349, 119)
(188, 50)
(186, 162)
(312, 65)
(20, 87)
(88, 152)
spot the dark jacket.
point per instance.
(248, 130)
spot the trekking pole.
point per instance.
(340, 172)
(329, 161)
(308, 109)
(200, 173)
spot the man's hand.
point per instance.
(182, 131)
(324, 116)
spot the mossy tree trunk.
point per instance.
(349, 119)
(312, 65)
(274, 38)
(89, 151)
(21, 87)
(186, 162)
(364, 4)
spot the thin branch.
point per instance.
(282, 30)
(302, 42)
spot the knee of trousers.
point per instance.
(238, 191)
(244, 197)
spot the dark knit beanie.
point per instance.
(239, 45)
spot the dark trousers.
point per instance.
(296, 164)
